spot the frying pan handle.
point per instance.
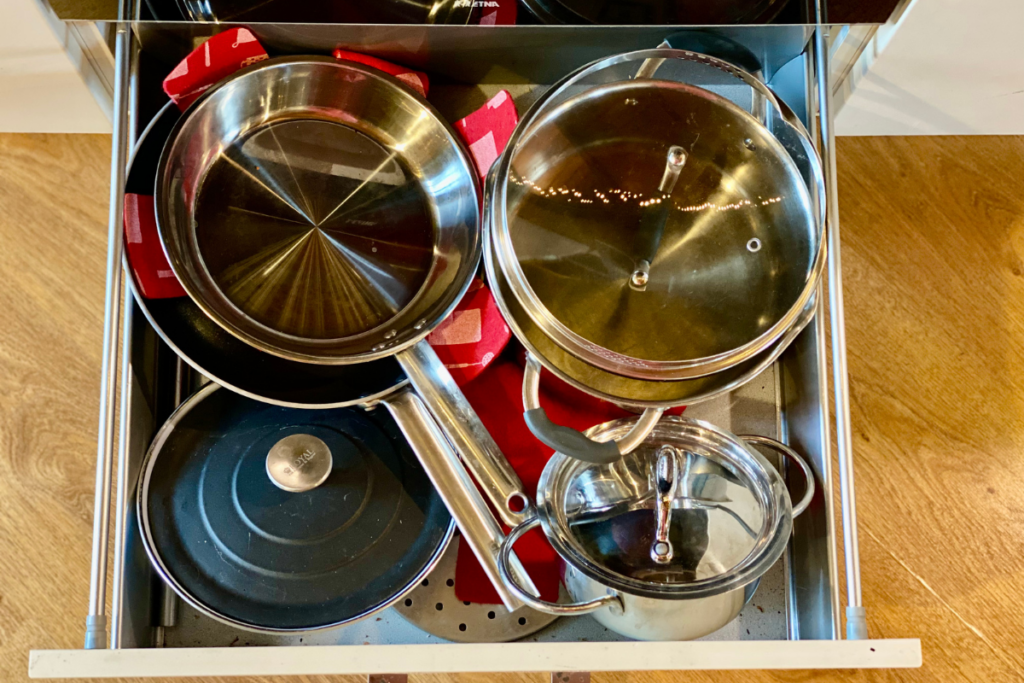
(573, 443)
(460, 423)
(460, 495)
(531, 600)
(785, 450)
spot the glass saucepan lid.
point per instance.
(693, 511)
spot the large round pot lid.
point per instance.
(654, 228)
(284, 519)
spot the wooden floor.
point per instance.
(933, 256)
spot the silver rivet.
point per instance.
(390, 334)
(754, 245)
(749, 144)
(299, 462)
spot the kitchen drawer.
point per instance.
(793, 622)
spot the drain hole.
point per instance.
(408, 602)
(426, 582)
(462, 627)
(467, 603)
(490, 615)
(754, 245)
(522, 621)
(450, 582)
(439, 606)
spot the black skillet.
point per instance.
(227, 360)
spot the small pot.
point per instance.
(670, 542)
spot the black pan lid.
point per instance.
(245, 551)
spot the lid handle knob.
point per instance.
(666, 481)
(655, 215)
(299, 463)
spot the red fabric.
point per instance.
(487, 130)
(497, 397)
(217, 58)
(498, 12)
(146, 255)
(472, 336)
(417, 80)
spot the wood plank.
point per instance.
(933, 239)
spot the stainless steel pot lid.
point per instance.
(653, 228)
(693, 511)
(281, 519)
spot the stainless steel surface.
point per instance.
(458, 491)
(435, 608)
(365, 200)
(461, 425)
(96, 626)
(666, 482)
(299, 462)
(783, 449)
(562, 237)
(857, 625)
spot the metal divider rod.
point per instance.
(96, 621)
(121, 502)
(856, 623)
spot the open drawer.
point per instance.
(794, 619)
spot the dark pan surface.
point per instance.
(255, 555)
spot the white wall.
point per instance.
(953, 67)
(41, 91)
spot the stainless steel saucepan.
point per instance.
(323, 213)
(670, 541)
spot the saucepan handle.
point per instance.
(460, 423)
(460, 495)
(569, 441)
(785, 450)
(568, 609)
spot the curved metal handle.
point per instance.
(570, 609)
(460, 495)
(460, 423)
(571, 442)
(785, 450)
